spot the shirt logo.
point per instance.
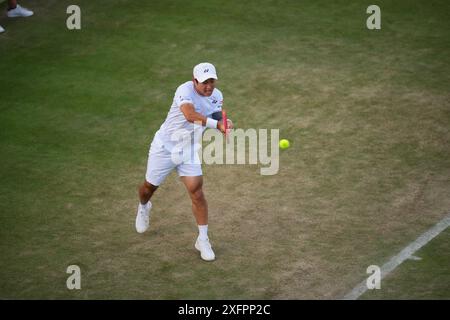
(206, 70)
(213, 100)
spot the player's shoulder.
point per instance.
(188, 86)
(217, 93)
(216, 98)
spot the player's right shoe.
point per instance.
(205, 249)
(1, 29)
(143, 217)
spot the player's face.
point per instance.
(206, 87)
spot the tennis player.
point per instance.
(196, 101)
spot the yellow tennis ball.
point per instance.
(284, 144)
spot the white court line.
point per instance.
(406, 253)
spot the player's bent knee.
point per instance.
(197, 195)
(147, 185)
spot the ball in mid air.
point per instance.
(284, 144)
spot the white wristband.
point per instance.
(211, 123)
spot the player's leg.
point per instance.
(159, 165)
(194, 186)
(146, 191)
(12, 4)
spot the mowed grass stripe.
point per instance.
(424, 276)
(405, 254)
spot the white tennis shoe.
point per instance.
(19, 11)
(205, 249)
(143, 217)
(1, 29)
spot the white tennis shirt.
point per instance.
(175, 120)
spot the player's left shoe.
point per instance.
(19, 11)
(143, 217)
(1, 29)
(205, 249)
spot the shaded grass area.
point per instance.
(367, 113)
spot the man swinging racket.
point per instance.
(194, 101)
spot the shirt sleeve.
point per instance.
(218, 105)
(182, 96)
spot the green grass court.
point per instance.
(367, 113)
(425, 277)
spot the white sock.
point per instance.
(144, 206)
(203, 232)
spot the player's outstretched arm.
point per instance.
(191, 115)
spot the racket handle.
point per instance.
(225, 124)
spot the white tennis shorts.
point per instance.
(160, 164)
